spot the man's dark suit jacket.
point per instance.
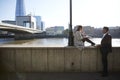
(106, 45)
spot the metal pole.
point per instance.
(70, 40)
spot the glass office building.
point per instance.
(20, 8)
(38, 22)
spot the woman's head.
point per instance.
(79, 27)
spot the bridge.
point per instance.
(19, 31)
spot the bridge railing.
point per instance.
(5, 26)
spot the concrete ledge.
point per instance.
(56, 59)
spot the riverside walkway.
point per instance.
(59, 76)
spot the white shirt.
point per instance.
(104, 34)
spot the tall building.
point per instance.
(42, 26)
(21, 18)
(20, 8)
(38, 22)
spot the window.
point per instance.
(27, 24)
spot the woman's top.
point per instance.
(78, 36)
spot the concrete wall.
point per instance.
(68, 59)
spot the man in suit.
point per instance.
(105, 48)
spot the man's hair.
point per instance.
(106, 28)
(79, 27)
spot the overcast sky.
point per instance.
(97, 13)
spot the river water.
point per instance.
(48, 42)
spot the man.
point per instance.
(105, 48)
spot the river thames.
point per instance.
(48, 42)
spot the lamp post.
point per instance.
(70, 40)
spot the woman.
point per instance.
(80, 37)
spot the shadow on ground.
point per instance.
(58, 76)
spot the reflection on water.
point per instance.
(48, 42)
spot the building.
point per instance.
(57, 30)
(9, 22)
(115, 31)
(42, 25)
(21, 19)
(89, 30)
(38, 22)
(50, 31)
(20, 8)
(26, 21)
(20, 11)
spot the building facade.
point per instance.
(26, 21)
(9, 22)
(57, 30)
(38, 22)
(21, 19)
(20, 8)
(42, 25)
(87, 29)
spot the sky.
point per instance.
(96, 13)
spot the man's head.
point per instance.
(105, 29)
